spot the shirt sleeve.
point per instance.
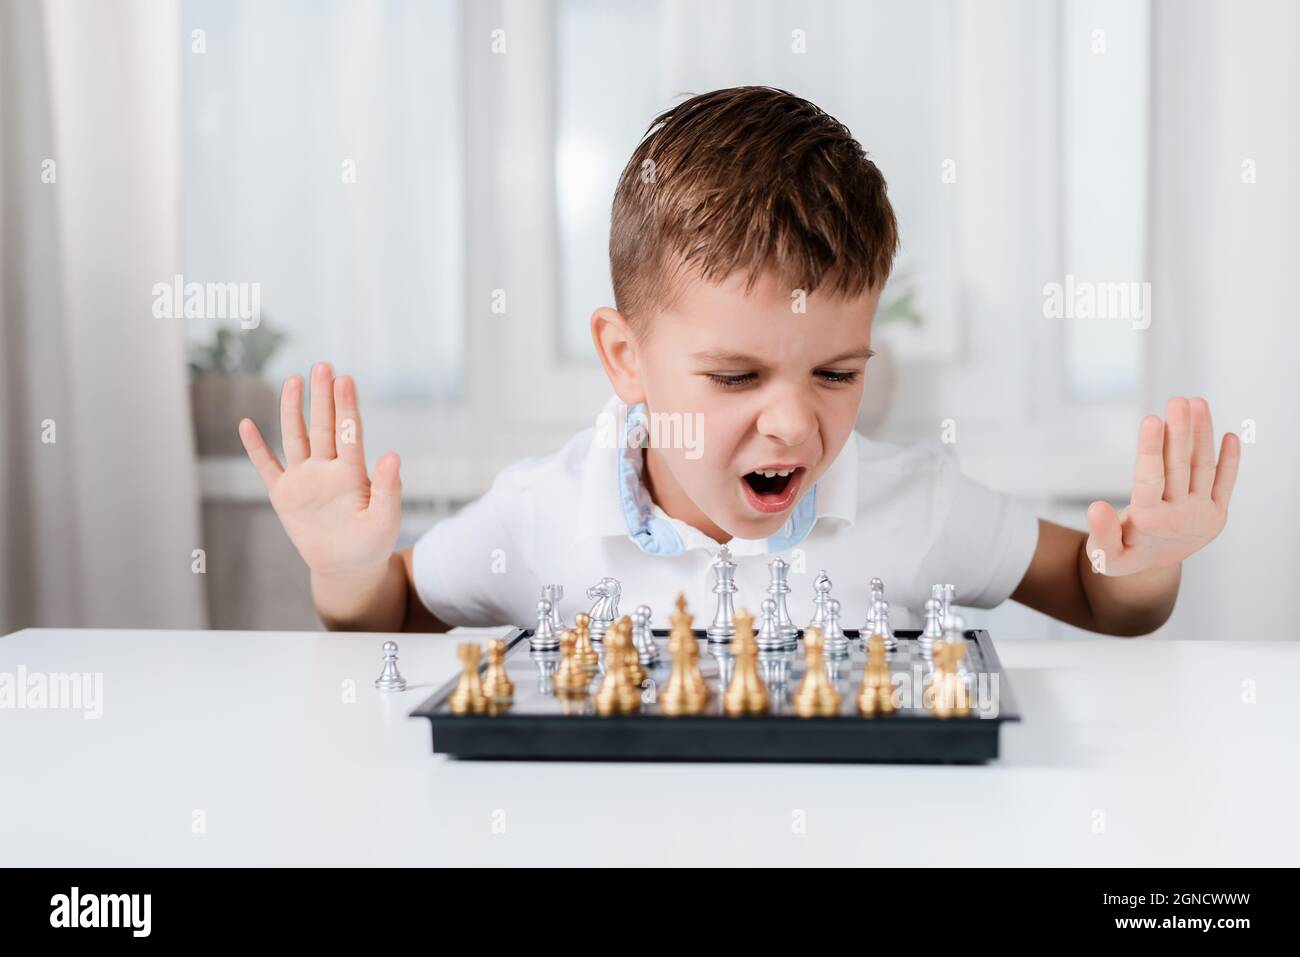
(984, 540)
(467, 568)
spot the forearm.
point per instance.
(1129, 605)
(374, 600)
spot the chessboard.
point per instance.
(537, 720)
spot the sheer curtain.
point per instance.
(99, 516)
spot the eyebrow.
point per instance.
(739, 358)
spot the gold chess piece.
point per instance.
(497, 686)
(468, 698)
(948, 695)
(584, 650)
(632, 661)
(876, 693)
(616, 695)
(570, 679)
(746, 695)
(815, 697)
(686, 692)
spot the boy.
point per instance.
(749, 243)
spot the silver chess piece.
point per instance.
(945, 595)
(877, 594)
(723, 628)
(390, 679)
(544, 637)
(647, 651)
(880, 611)
(769, 637)
(553, 594)
(777, 588)
(821, 595)
(933, 629)
(604, 610)
(837, 643)
(955, 634)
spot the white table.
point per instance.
(1131, 752)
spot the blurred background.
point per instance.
(419, 192)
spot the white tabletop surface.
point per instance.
(221, 748)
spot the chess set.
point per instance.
(614, 688)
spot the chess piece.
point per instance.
(468, 698)
(622, 634)
(497, 686)
(769, 636)
(584, 652)
(571, 678)
(616, 694)
(642, 637)
(544, 637)
(876, 693)
(777, 588)
(604, 610)
(882, 627)
(390, 679)
(686, 692)
(837, 643)
(955, 636)
(877, 594)
(553, 594)
(933, 631)
(947, 695)
(547, 662)
(724, 586)
(815, 697)
(745, 694)
(821, 595)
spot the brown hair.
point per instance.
(750, 179)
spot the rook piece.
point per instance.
(468, 698)
(778, 587)
(497, 686)
(770, 637)
(553, 594)
(821, 595)
(544, 637)
(390, 679)
(604, 610)
(815, 697)
(745, 695)
(876, 694)
(724, 586)
(642, 637)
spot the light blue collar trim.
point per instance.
(654, 534)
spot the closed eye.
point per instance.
(731, 381)
(844, 377)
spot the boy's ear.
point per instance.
(616, 347)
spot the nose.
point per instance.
(788, 418)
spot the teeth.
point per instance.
(771, 474)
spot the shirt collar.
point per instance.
(615, 502)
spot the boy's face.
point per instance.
(767, 387)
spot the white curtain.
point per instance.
(1225, 250)
(99, 509)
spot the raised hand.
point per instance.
(1180, 494)
(342, 523)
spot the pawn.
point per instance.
(745, 695)
(686, 692)
(571, 679)
(390, 679)
(837, 643)
(815, 697)
(544, 637)
(468, 698)
(616, 695)
(621, 634)
(876, 693)
(769, 636)
(642, 637)
(932, 634)
(584, 650)
(497, 686)
(947, 695)
(882, 628)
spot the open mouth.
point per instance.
(772, 490)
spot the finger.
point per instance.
(1202, 448)
(259, 453)
(347, 431)
(1225, 477)
(1149, 473)
(322, 411)
(1177, 449)
(293, 430)
(386, 488)
(1107, 534)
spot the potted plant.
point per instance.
(226, 385)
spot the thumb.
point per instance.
(1107, 535)
(386, 486)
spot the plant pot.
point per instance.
(217, 404)
(879, 385)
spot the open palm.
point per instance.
(339, 520)
(1180, 494)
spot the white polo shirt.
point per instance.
(904, 514)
